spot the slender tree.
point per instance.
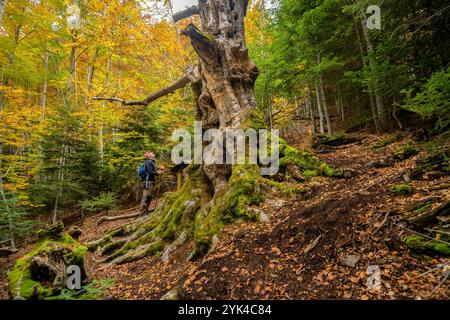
(2, 10)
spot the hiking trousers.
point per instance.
(146, 198)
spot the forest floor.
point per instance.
(317, 245)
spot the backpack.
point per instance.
(142, 172)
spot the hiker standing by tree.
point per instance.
(147, 173)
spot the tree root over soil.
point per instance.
(199, 213)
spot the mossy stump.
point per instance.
(42, 273)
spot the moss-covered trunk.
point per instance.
(213, 194)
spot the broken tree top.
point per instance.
(179, 167)
(194, 10)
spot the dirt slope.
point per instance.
(298, 252)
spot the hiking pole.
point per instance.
(157, 193)
(158, 189)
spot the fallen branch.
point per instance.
(446, 274)
(431, 217)
(421, 234)
(384, 221)
(6, 252)
(437, 231)
(312, 244)
(121, 217)
(439, 266)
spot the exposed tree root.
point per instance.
(121, 217)
(198, 213)
(6, 252)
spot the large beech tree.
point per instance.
(223, 86)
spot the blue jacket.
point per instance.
(151, 169)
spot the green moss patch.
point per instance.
(334, 140)
(387, 141)
(229, 204)
(421, 245)
(93, 291)
(405, 152)
(311, 165)
(401, 190)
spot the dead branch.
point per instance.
(446, 274)
(384, 221)
(312, 245)
(421, 234)
(190, 75)
(439, 266)
(431, 217)
(437, 231)
(188, 12)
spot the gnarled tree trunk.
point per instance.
(223, 86)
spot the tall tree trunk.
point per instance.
(325, 107)
(340, 103)
(101, 124)
(378, 99)
(90, 73)
(309, 105)
(374, 112)
(120, 67)
(60, 179)
(90, 79)
(226, 71)
(319, 108)
(2, 10)
(371, 98)
(72, 71)
(16, 43)
(44, 85)
(2, 190)
(324, 99)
